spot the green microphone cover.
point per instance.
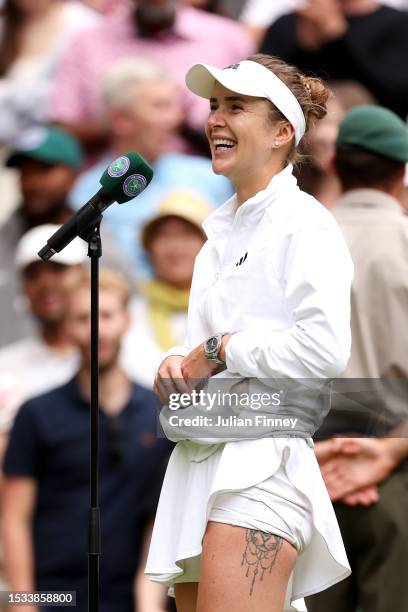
(126, 177)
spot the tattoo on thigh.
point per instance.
(261, 550)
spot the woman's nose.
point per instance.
(216, 117)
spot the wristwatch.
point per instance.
(212, 348)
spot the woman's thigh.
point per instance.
(244, 570)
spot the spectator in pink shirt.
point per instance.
(164, 30)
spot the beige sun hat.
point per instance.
(185, 205)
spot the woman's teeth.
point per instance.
(224, 143)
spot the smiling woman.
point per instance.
(244, 519)
(274, 121)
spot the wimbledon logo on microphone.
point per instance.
(119, 166)
(134, 184)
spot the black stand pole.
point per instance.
(93, 238)
(87, 226)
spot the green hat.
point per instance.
(49, 144)
(375, 129)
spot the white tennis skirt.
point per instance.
(271, 484)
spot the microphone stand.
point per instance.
(87, 227)
(90, 232)
(125, 178)
(121, 184)
(93, 237)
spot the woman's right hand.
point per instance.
(169, 379)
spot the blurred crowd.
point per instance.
(82, 83)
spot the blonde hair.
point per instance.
(311, 93)
(109, 280)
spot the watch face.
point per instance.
(212, 344)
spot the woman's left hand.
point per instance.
(196, 367)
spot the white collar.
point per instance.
(218, 225)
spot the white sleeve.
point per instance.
(317, 275)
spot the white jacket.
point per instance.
(276, 273)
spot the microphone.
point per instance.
(123, 180)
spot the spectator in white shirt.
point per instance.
(46, 359)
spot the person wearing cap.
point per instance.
(368, 479)
(48, 160)
(46, 358)
(243, 510)
(172, 238)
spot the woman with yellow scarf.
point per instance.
(172, 239)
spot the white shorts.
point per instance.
(273, 506)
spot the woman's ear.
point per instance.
(283, 135)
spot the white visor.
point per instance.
(249, 79)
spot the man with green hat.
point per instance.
(48, 160)
(366, 469)
(50, 145)
(374, 129)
